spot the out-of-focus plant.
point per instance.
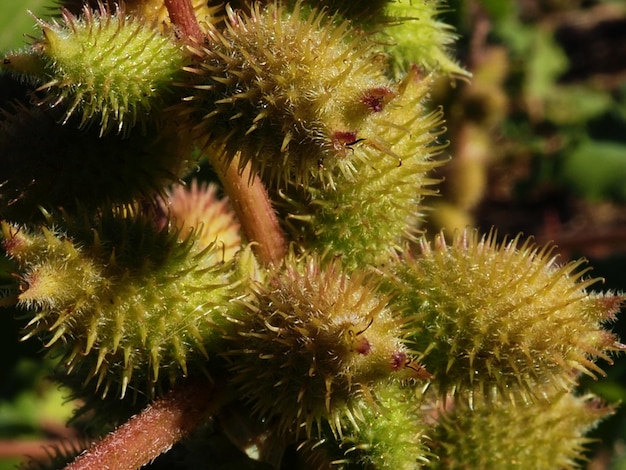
(541, 125)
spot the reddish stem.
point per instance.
(153, 431)
(256, 215)
(184, 19)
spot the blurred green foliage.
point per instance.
(555, 106)
(15, 22)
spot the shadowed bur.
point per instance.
(114, 169)
(103, 299)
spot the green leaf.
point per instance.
(15, 22)
(597, 170)
(577, 103)
(546, 63)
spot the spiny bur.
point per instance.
(114, 169)
(410, 32)
(288, 91)
(392, 435)
(110, 69)
(366, 219)
(503, 319)
(125, 304)
(545, 434)
(416, 36)
(316, 341)
(359, 12)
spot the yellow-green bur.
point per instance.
(417, 37)
(126, 308)
(283, 91)
(392, 434)
(109, 69)
(367, 217)
(314, 340)
(504, 319)
(546, 434)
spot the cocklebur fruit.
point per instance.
(197, 208)
(357, 11)
(416, 36)
(366, 219)
(125, 305)
(392, 436)
(88, 170)
(410, 31)
(311, 344)
(544, 434)
(288, 91)
(110, 69)
(504, 319)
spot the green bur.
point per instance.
(503, 320)
(109, 69)
(366, 219)
(392, 435)
(124, 304)
(418, 37)
(547, 434)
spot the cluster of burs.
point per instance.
(363, 343)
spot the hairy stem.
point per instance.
(153, 431)
(256, 215)
(184, 19)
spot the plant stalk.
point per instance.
(184, 19)
(254, 210)
(153, 431)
